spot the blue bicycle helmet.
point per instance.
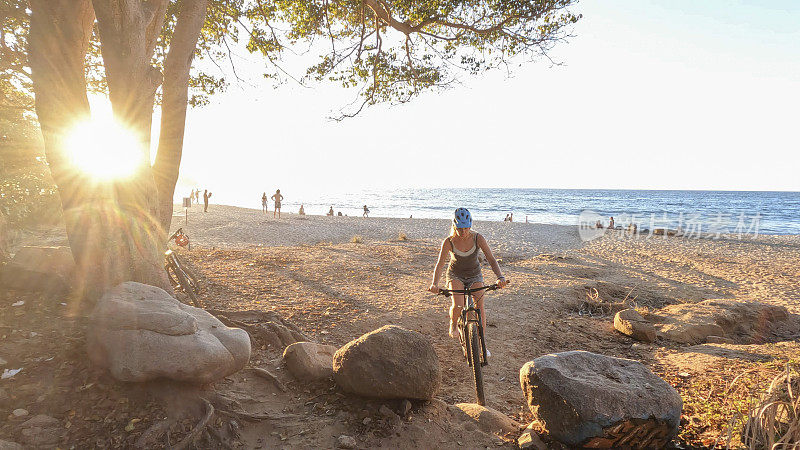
(462, 218)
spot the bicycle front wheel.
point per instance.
(474, 344)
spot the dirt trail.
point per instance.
(336, 292)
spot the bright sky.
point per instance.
(660, 94)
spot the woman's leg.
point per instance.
(456, 305)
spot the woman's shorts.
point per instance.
(467, 281)
(277, 205)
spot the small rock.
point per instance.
(405, 407)
(630, 323)
(309, 361)
(385, 411)
(709, 340)
(366, 421)
(530, 440)
(487, 419)
(8, 445)
(41, 431)
(345, 441)
(19, 412)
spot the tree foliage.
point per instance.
(392, 50)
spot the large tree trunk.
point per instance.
(175, 96)
(111, 229)
(128, 32)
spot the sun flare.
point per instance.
(104, 149)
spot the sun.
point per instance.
(104, 149)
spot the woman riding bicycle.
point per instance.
(464, 269)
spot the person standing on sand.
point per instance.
(264, 203)
(302, 211)
(206, 196)
(464, 269)
(366, 212)
(191, 197)
(277, 197)
(330, 212)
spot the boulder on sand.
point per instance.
(591, 400)
(140, 332)
(488, 420)
(693, 323)
(309, 361)
(390, 362)
(630, 323)
(55, 260)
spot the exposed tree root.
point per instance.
(266, 374)
(193, 435)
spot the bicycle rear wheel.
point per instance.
(474, 350)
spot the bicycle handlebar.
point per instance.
(449, 292)
(177, 232)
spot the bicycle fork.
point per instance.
(465, 332)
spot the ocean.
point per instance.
(703, 211)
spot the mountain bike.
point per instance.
(178, 273)
(470, 333)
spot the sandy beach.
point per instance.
(309, 270)
(339, 277)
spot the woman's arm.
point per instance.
(438, 269)
(501, 280)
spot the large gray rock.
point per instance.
(139, 332)
(586, 399)
(630, 323)
(390, 362)
(309, 361)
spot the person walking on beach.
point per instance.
(206, 196)
(366, 212)
(197, 196)
(191, 197)
(330, 212)
(277, 197)
(464, 269)
(302, 211)
(264, 203)
(611, 223)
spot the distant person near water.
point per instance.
(264, 203)
(197, 196)
(611, 223)
(191, 197)
(464, 269)
(206, 196)
(330, 212)
(366, 212)
(302, 211)
(277, 197)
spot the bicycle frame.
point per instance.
(471, 313)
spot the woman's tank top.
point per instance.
(464, 265)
